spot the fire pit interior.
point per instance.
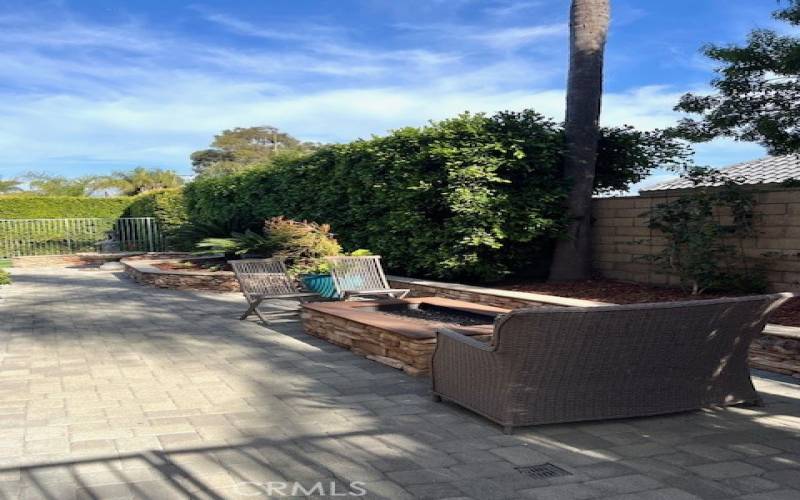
(434, 312)
(400, 333)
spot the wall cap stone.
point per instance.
(147, 267)
(508, 294)
(789, 332)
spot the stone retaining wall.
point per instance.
(46, 261)
(67, 260)
(144, 272)
(506, 299)
(777, 350)
(410, 355)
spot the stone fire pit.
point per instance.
(399, 333)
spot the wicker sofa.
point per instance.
(548, 365)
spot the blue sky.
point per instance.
(92, 86)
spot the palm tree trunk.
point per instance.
(589, 21)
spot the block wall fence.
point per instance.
(622, 238)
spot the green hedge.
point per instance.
(474, 197)
(54, 237)
(60, 207)
(167, 206)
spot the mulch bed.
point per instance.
(618, 292)
(158, 256)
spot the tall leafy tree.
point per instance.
(239, 148)
(589, 21)
(140, 180)
(757, 92)
(10, 186)
(57, 185)
(208, 161)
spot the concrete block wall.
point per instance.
(621, 237)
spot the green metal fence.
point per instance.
(24, 237)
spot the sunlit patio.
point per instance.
(113, 390)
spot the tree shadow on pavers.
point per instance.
(680, 447)
(262, 467)
(777, 379)
(341, 411)
(128, 297)
(144, 304)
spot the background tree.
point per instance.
(240, 148)
(140, 180)
(56, 185)
(757, 94)
(206, 160)
(9, 186)
(588, 32)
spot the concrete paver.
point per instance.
(112, 390)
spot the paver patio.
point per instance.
(112, 390)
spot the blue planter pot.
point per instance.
(321, 284)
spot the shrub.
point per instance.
(189, 235)
(301, 243)
(705, 229)
(53, 237)
(61, 207)
(5, 278)
(475, 197)
(321, 265)
(168, 207)
(300, 240)
(247, 243)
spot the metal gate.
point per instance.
(24, 237)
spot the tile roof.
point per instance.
(769, 170)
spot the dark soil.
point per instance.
(618, 292)
(194, 265)
(441, 317)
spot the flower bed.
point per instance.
(199, 264)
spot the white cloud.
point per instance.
(513, 38)
(645, 107)
(511, 8)
(501, 38)
(104, 105)
(163, 124)
(307, 32)
(31, 31)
